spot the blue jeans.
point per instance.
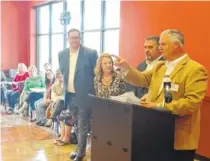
(3, 94)
(12, 97)
(32, 98)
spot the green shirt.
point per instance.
(33, 82)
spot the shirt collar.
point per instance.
(74, 52)
(176, 61)
(154, 61)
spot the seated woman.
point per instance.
(107, 81)
(59, 109)
(66, 124)
(42, 104)
(17, 86)
(3, 89)
(33, 90)
(57, 98)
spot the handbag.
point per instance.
(73, 137)
(65, 115)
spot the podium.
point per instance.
(126, 132)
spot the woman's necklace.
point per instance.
(106, 80)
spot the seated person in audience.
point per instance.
(57, 98)
(66, 124)
(107, 82)
(17, 86)
(42, 104)
(33, 89)
(47, 66)
(3, 88)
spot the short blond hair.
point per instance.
(32, 67)
(24, 66)
(98, 69)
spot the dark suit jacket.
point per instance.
(140, 91)
(84, 74)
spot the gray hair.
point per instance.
(176, 35)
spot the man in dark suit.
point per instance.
(152, 57)
(77, 65)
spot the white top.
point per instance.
(150, 65)
(170, 66)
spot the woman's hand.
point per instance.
(48, 101)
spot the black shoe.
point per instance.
(73, 155)
(37, 123)
(41, 124)
(78, 158)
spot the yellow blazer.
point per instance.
(192, 81)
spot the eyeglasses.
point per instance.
(74, 38)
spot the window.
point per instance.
(43, 50)
(44, 19)
(57, 9)
(57, 46)
(111, 42)
(98, 21)
(112, 17)
(92, 40)
(92, 14)
(74, 7)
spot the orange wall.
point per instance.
(140, 19)
(18, 26)
(15, 42)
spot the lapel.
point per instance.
(66, 62)
(142, 66)
(79, 60)
(158, 82)
(179, 66)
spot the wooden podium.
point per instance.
(126, 132)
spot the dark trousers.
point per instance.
(57, 106)
(81, 119)
(184, 155)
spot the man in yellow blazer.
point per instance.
(189, 83)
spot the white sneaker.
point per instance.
(20, 111)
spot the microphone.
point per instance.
(167, 89)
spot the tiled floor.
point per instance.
(25, 141)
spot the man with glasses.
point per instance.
(77, 65)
